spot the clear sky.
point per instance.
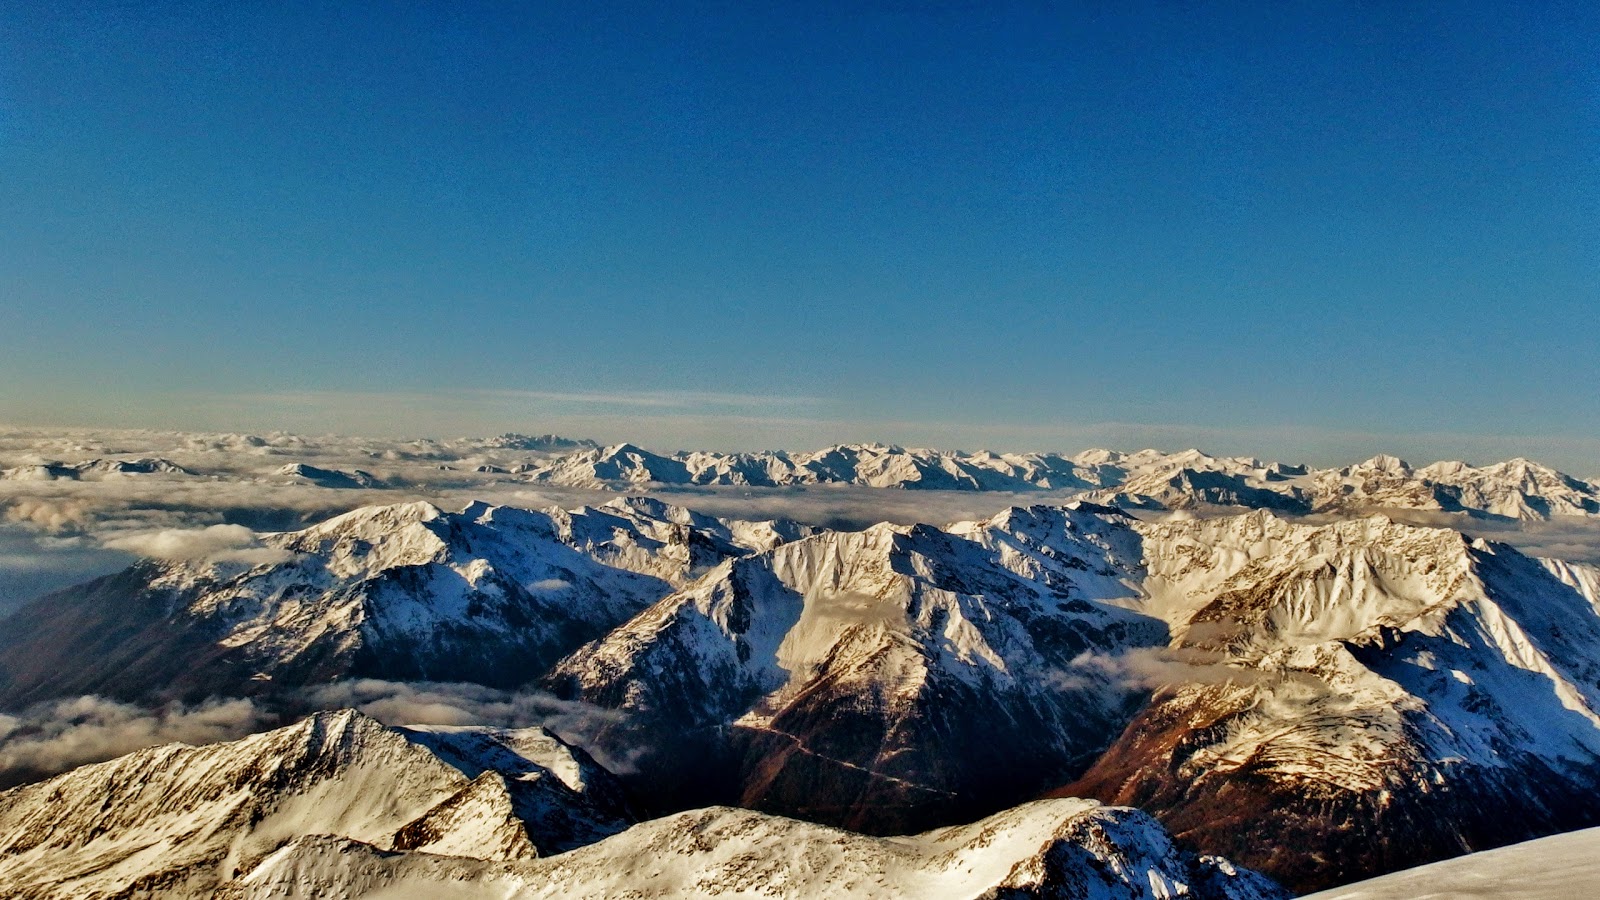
(1296, 230)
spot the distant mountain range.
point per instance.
(92, 469)
(1513, 490)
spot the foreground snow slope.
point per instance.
(1058, 848)
(1564, 867)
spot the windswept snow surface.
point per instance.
(1563, 867)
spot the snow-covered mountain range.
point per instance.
(1320, 700)
(339, 805)
(491, 595)
(1253, 654)
(1383, 693)
(1053, 848)
(178, 821)
(92, 469)
(880, 680)
(1516, 489)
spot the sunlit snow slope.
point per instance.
(1563, 867)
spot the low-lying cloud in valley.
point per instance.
(34, 563)
(59, 735)
(54, 736)
(216, 543)
(1152, 668)
(437, 703)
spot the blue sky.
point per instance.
(1297, 230)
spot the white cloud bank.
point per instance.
(217, 543)
(56, 736)
(440, 703)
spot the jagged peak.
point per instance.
(1374, 526)
(1384, 462)
(1097, 456)
(317, 733)
(869, 447)
(403, 529)
(340, 727)
(512, 440)
(1053, 512)
(142, 463)
(391, 515)
(875, 531)
(1445, 468)
(648, 506)
(479, 510)
(879, 538)
(1519, 467)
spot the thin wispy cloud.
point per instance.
(58, 735)
(656, 399)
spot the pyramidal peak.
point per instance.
(1384, 462)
